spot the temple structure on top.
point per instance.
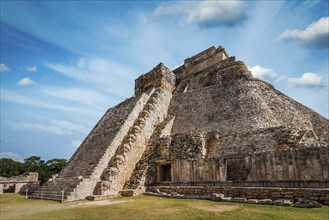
(205, 127)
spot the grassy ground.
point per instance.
(13, 206)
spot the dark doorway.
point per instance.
(9, 188)
(236, 169)
(165, 172)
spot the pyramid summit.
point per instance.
(203, 128)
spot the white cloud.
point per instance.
(12, 155)
(308, 80)
(206, 13)
(3, 68)
(165, 10)
(25, 81)
(88, 97)
(13, 97)
(55, 127)
(31, 68)
(217, 13)
(266, 74)
(315, 35)
(104, 74)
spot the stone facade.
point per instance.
(206, 127)
(19, 184)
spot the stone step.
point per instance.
(61, 185)
(55, 189)
(49, 193)
(101, 197)
(128, 192)
(48, 197)
(62, 179)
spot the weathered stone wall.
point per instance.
(234, 108)
(294, 194)
(19, 184)
(215, 74)
(159, 77)
(292, 164)
(215, 144)
(225, 97)
(204, 59)
(194, 170)
(299, 164)
(26, 177)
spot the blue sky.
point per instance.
(64, 63)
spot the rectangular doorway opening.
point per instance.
(165, 173)
(236, 169)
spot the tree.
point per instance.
(56, 165)
(32, 164)
(10, 167)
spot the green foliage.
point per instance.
(56, 165)
(9, 167)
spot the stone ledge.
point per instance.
(302, 203)
(100, 197)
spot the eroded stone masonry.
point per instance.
(208, 127)
(19, 184)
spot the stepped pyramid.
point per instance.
(208, 121)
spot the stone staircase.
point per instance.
(146, 164)
(105, 160)
(124, 161)
(78, 179)
(58, 190)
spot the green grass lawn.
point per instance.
(14, 206)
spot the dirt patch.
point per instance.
(218, 208)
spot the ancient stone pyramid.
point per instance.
(208, 121)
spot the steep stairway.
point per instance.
(78, 179)
(122, 164)
(146, 165)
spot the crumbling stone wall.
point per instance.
(291, 164)
(19, 184)
(294, 164)
(235, 108)
(159, 77)
(291, 193)
(204, 59)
